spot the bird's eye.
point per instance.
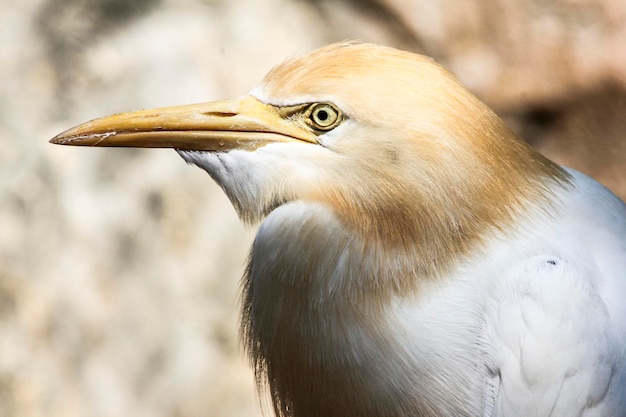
(323, 116)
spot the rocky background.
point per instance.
(119, 268)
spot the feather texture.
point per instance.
(414, 257)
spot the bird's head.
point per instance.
(387, 139)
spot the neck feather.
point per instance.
(442, 214)
(323, 277)
(322, 338)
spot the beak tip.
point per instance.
(64, 138)
(57, 140)
(74, 137)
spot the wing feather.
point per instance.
(553, 349)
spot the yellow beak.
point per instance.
(216, 126)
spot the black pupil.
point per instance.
(322, 115)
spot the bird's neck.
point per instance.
(327, 341)
(324, 282)
(442, 202)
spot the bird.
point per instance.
(414, 256)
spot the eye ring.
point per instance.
(323, 116)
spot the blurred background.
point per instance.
(119, 268)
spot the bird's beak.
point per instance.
(216, 126)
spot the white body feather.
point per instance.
(534, 324)
(505, 295)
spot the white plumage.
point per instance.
(414, 257)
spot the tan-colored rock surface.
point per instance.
(119, 269)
